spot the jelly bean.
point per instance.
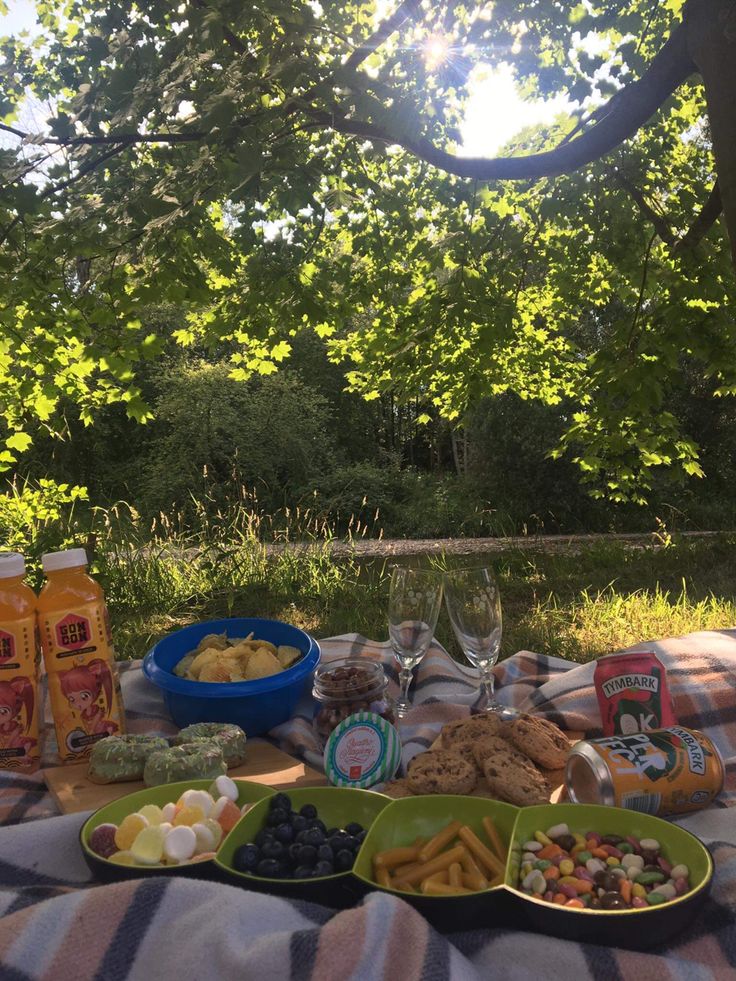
(611, 850)
(557, 830)
(626, 848)
(629, 860)
(560, 898)
(633, 872)
(579, 839)
(599, 853)
(152, 813)
(664, 865)
(542, 864)
(189, 816)
(681, 886)
(102, 840)
(594, 838)
(529, 857)
(612, 861)
(567, 880)
(527, 881)
(649, 844)
(575, 903)
(532, 846)
(638, 890)
(128, 830)
(526, 868)
(634, 843)
(583, 857)
(649, 878)
(549, 851)
(549, 895)
(667, 890)
(551, 873)
(148, 847)
(542, 838)
(567, 891)
(617, 872)
(567, 866)
(582, 873)
(638, 903)
(655, 898)
(679, 872)
(594, 865)
(626, 890)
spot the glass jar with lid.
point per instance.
(348, 685)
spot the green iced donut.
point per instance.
(191, 761)
(230, 738)
(119, 758)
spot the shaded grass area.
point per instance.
(577, 606)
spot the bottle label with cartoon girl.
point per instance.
(18, 695)
(83, 686)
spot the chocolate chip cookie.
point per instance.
(441, 772)
(514, 778)
(542, 741)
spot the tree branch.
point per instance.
(630, 109)
(703, 223)
(405, 11)
(660, 223)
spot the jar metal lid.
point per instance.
(362, 751)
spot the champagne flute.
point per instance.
(474, 605)
(413, 607)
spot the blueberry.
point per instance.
(273, 849)
(323, 868)
(331, 832)
(351, 843)
(284, 833)
(313, 836)
(264, 835)
(293, 852)
(309, 811)
(277, 816)
(298, 823)
(269, 867)
(301, 835)
(344, 860)
(324, 853)
(307, 855)
(302, 872)
(360, 837)
(281, 801)
(246, 858)
(353, 828)
(316, 823)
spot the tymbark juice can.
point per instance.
(80, 661)
(666, 771)
(19, 660)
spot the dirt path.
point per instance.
(397, 547)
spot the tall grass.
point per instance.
(240, 562)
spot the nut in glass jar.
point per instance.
(346, 686)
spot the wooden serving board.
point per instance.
(73, 791)
(555, 778)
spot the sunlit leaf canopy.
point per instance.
(191, 156)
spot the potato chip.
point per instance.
(261, 665)
(204, 657)
(212, 641)
(182, 668)
(221, 670)
(288, 655)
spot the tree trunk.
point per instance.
(711, 30)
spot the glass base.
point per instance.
(493, 707)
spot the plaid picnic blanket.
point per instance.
(57, 924)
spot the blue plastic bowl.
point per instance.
(255, 706)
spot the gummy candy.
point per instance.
(197, 798)
(122, 858)
(215, 828)
(224, 786)
(129, 829)
(152, 813)
(148, 847)
(226, 814)
(168, 811)
(188, 816)
(102, 840)
(180, 843)
(205, 837)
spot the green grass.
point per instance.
(572, 606)
(577, 606)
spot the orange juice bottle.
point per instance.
(80, 661)
(19, 709)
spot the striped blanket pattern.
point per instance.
(57, 924)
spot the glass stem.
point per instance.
(487, 684)
(405, 677)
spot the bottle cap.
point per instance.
(12, 564)
(70, 558)
(362, 751)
